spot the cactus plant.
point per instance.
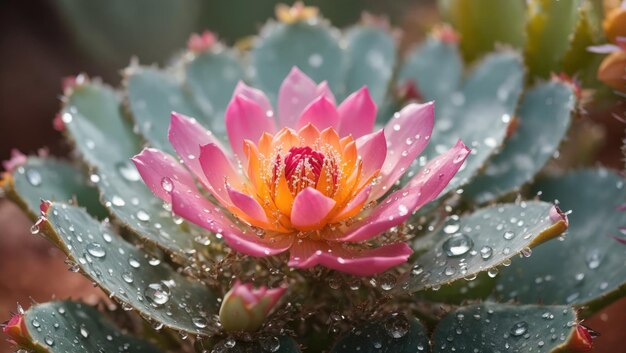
(369, 269)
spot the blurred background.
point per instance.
(42, 41)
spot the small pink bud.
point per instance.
(446, 34)
(57, 123)
(245, 308)
(408, 91)
(199, 43)
(17, 159)
(582, 339)
(16, 330)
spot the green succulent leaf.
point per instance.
(586, 268)
(370, 59)
(131, 276)
(544, 118)
(51, 179)
(480, 242)
(550, 27)
(106, 142)
(212, 77)
(393, 334)
(436, 67)
(311, 46)
(152, 95)
(492, 327)
(478, 114)
(483, 24)
(70, 327)
(282, 344)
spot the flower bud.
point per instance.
(581, 340)
(615, 24)
(612, 71)
(245, 308)
(16, 330)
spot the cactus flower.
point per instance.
(17, 159)
(16, 330)
(245, 308)
(612, 70)
(615, 23)
(311, 179)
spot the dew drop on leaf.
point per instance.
(397, 326)
(486, 252)
(457, 245)
(34, 177)
(96, 250)
(157, 294)
(128, 171)
(519, 328)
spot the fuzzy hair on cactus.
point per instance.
(322, 192)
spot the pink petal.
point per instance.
(218, 172)
(308, 253)
(357, 201)
(357, 114)
(255, 95)
(186, 136)
(246, 120)
(322, 113)
(423, 188)
(407, 135)
(161, 172)
(310, 209)
(372, 149)
(17, 159)
(193, 207)
(296, 92)
(248, 205)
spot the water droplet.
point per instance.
(230, 342)
(451, 228)
(133, 263)
(142, 216)
(118, 201)
(35, 323)
(492, 272)
(508, 235)
(34, 229)
(457, 245)
(486, 252)
(128, 171)
(157, 293)
(417, 270)
(96, 250)
(84, 332)
(127, 277)
(34, 177)
(387, 281)
(49, 341)
(316, 60)
(397, 326)
(166, 184)
(519, 328)
(594, 258)
(270, 343)
(154, 261)
(200, 322)
(450, 270)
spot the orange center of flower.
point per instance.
(280, 166)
